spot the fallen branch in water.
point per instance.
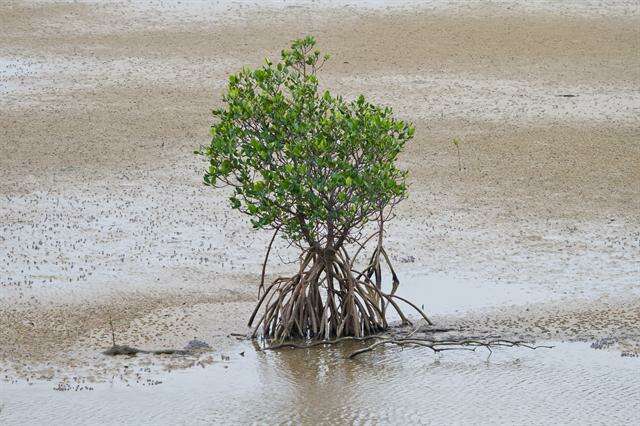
(446, 345)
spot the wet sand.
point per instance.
(103, 213)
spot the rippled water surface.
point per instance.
(571, 383)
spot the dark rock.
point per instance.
(122, 350)
(196, 345)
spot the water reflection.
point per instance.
(568, 384)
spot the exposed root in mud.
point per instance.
(403, 338)
(293, 345)
(328, 299)
(447, 345)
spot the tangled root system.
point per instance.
(327, 298)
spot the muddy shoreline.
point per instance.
(103, 213)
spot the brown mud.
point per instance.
(103, 211)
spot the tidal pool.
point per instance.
(569, 384)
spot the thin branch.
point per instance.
(266, 258)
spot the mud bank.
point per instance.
(532, 231)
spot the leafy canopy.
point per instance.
(314, 165)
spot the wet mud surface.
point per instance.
(531, 231)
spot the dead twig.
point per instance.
(113, 332)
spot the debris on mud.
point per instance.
(196, 344)
(192, 347)
(604, 343)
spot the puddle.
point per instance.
(440, 294)
(568, 384)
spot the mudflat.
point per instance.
(104, 216)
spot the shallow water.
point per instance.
(570, 383)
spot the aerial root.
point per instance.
(327, 299)
(293, 345)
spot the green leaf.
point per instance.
(235, 203)
(290, 150)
